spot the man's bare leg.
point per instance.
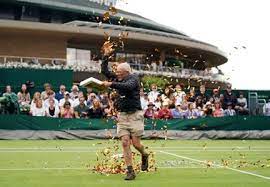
(128, 157)
(136, 141)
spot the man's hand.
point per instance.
(106, 83)
(107, 48)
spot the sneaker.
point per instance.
(130, 176)
(144, 166)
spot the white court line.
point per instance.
(216, 165)
(45, 169)
(93, 151)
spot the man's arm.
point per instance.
(128, 85)
(105, 70)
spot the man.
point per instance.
(130, 126)
(202, 94)
(81, 110)
(66, 98)
(60, 95)
(50, 94)
(229, 96)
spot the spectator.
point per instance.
(67, 111)
(36, 96)
(38, 109)
(144, 100)
(164, 112)
(76, 101)
(91, 99)
(267, 108)
(9, 92)
(152, 95)
(199, 103)
(167, 95)
(158, 102)
(208, 109)
(104, 99)
(222, 102)
(51, 95)
(96, 110)
(229, 111)
(215, 95)
(24, 96)
(229, 97)
(180, 111)
(14, 105)
(81, 110)
(203, 95)
(65, 99)
(192, 112)
(44, 94)
(218, 112)
(191, 97)
(52, 111)
(179, 93)
(241, 106)
(150, 112)
(74, 92)
(61, 94)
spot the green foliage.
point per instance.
(147, 81)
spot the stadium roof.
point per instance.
(93, 8)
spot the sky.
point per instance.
(224, 23)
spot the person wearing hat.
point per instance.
(179, 111)
(130, 118)
(66, 98)
(229, 111)
(150, 112)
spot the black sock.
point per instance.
(130, 169)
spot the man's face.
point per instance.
(62, 89)
(81, 100)
(121, 74)
(202, 89)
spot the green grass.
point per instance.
(63, 164)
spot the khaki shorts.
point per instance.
(130, 124)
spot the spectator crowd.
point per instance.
(171, 103)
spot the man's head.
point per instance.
(8, 88)
(202, 88)
(62, 88)
(75, 88)
(229, 88)
(81, 100)
(123, 70)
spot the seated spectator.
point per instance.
(216, 94)
(199, 103)
(158, 102)
(267, 108)
(218, 112)
(164, 112)
(51, 95)
(52, 111)
(192, 113)
(180, 111)
(110, 112)
(81, 110)
(65, 99)
(241, 105)
(202, 94)
(67, 111)
(44, 94)
(168, 93)
(150, 112)
(229, 97)
(36, 96)
(191, 97)
(208, 109)
(76, 101)
(96, 111)
(152, 95)
(13, 108)
(222, 102)
(179, 93)
(144, 100)
(104, 99)
(74, 92)
(38, 109)
(24, 96)
(60, 95)
(90, 99)
(229, 111)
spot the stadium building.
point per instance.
(71, 33)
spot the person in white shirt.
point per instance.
(179, 94)
(241, 105)
(267, 108)
(229, 111)
(52, 111)
(66, 98)
(76, 101)
(38, 109)
(74, 92)
(51, 96)
(144, 100)
(153, 94)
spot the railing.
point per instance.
(58, 63)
